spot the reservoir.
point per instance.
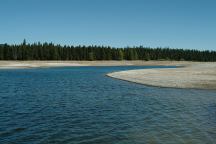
(81, 105)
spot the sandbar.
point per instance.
(194, 75)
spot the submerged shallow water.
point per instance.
(81, 105)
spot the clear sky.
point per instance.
(155, 23)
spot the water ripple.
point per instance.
(80, 105)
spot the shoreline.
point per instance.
(195, 75)
(191, 76)
(148, 85)
(47, 64)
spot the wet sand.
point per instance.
(195, 75)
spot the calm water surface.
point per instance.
(80, 105)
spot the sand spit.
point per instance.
(194, 75)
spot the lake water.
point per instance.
(80, 105)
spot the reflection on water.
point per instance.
(82, 105)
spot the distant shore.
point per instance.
(196, 75)
(44, 64)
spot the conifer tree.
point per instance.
(49, 51)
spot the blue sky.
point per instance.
(155, 23)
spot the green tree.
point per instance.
(120, 54)
(91, 56)
(45, 51)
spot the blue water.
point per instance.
(80, 105)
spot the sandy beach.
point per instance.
(195, 75)
(40, 64)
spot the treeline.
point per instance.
(49, 51)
